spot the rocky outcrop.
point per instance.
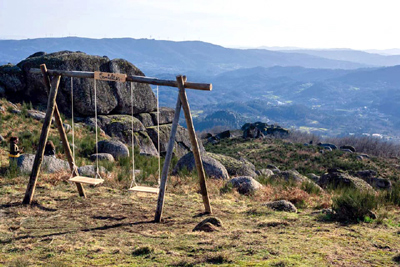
(235, 167)
(245, 184)
(213, 168)
(336, 178)
(111, 97)
(49, 164)
(102, 156)
(260, 129)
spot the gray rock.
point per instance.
(145, 143)
(38, 115)
(145, 119)
(245, 184)
(326, 145)
(90, 171)
(337, 178)
(234, 166)
(281, 205)
(11, 79)
(120, 126)
(213, 168)
(265, 172)
(144, 99)
(291, 175)
(102, 156)
(208, 225)
(49, 164)
(166, 115)
(351, 148)
(16, 111)
(2, 91)
(182, 141)
(111, 97)
(370, 176)
(313, 177)
(67, 127)
(113, 147)
(346, 150)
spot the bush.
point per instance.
(353, 205)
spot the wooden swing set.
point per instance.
(52, 85)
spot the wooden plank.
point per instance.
(63, 135)
(130, 78)
(167, 162)
(144, 189)
(86, 180)
(30, 190)
(195, 144)
(112, 77)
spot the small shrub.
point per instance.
(353, 205)
(227, 188)
(218, 259)
(310, 188)
(143, 251)
(392, 196)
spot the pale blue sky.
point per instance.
(252, 23)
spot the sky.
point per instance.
(253, 23)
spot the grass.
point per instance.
(114, 227)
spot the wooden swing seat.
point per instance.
(86, 180)
(144, 189)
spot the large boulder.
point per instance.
(114, 147)
(182, 141)
(213, 168)
(49, 164)
(337, 178)
(235, 167)
(102, 156)
(245, 184)
(111, 96)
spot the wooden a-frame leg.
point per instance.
(63, 135)
(195, 144)
(30, 190)
(167, 162)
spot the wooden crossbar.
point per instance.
(130, 78)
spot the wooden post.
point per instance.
(62, 133)
(30, 190)
(167, 162)
(195, 144)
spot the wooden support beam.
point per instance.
(63, 135)
(167, 162)
(195, 144)
(130, 78)
(30, 190)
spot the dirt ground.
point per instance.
(113, 227)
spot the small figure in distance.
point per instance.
(14, 151)
(50, 149)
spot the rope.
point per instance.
(158, 140)
(73, 127)
(95, 115)
(133, 143)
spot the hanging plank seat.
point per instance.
(144, 189)
(86, 180)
